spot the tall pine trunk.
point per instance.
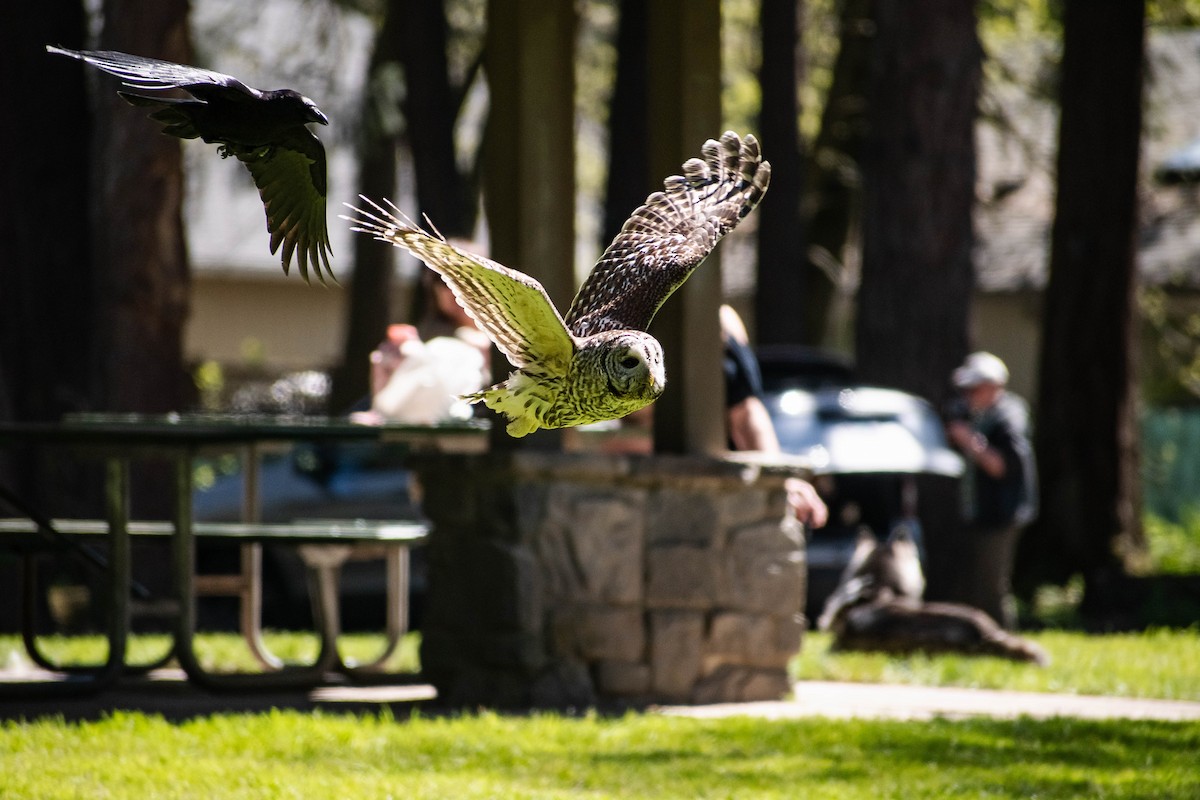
(919, 186)
(141, 271)
(1086, 437)
(782, 312)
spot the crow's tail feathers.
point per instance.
(172, 113)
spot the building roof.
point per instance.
(1017, 140)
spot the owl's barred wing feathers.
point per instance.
(667, 238)
(510, 306)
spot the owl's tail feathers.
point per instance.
(500, 398)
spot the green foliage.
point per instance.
(292, 754)
(741, 57)
(1173, 13)
(1172, 336)
(1016, 19)
(209, 379)
(1170, 462)
(1175, 547)
(1122, 665)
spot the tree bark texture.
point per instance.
(1086, 436)
(833, 197)
(369, 285)
(918, 188)
(141, 271)
(919, 185)
(781, 302)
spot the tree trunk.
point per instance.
(919, 187)
(918, 181)
(781, 302)
(46, 291)
(414, 36)
(627, 184)
(46, 300)
(430, 111)
(1086, 435)
(369, 285)
(833, 194)
(141, 269)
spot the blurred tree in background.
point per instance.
(47, 303)
(865, 107)
(1087, 442)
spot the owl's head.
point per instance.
(633, 365)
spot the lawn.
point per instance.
(296, 755)
(289, 754)
(1161, 663)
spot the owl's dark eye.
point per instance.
(629, 362)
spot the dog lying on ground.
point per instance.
(878, 606)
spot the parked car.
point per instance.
(866, 444)
(344, 481)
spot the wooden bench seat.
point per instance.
(301, 532)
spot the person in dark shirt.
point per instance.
(999, 484)
(748, 424)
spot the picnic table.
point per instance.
(179, 439)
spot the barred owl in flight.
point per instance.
(597, 363)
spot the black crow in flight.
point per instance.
(264, 130)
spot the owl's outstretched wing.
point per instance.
(511, 307)
(667, 238)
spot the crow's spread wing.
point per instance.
(139, 72)
(290, 177)
(264, 130)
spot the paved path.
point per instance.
(896, 701)
(171, 696)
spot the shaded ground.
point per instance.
(174, 699)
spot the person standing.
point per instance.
(748, 423)
(999, 484)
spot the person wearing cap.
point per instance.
(999, 484)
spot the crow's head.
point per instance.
(306, 109)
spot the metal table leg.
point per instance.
(397, 565)
(184, 567)
(118, 579)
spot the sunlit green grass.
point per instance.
(292, 754)
(1159, 663)
(295, 755)
(221, 651)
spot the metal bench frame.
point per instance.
(324, 546)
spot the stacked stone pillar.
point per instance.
(573, 580)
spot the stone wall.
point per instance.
(571, 580)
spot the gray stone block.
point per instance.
(763, 570)
(681, 577)
(622, 678)
(676, 516)
(600, 632)
(759, 640)
(676, 642)
(736, 684)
